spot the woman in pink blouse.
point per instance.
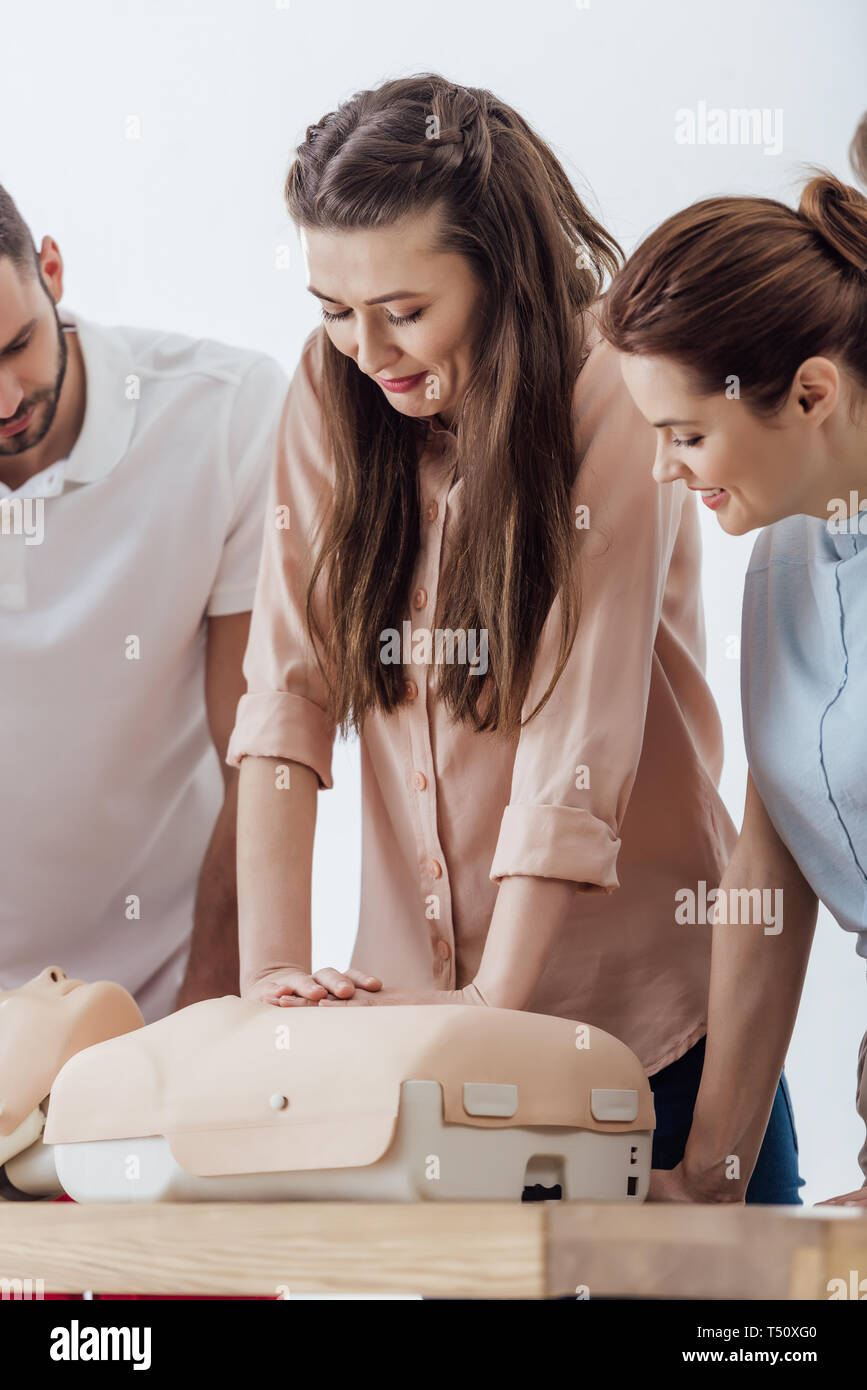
(467, 561)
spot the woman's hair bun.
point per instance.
(837, 211)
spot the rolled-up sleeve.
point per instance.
(284, 714)
(576, 760)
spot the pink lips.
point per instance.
(6, 431)
(399, 384)
(712, 502)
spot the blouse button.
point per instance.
(434, 868)
(444, 950)
(410, 689)
(432, 511)
(419, 781)
(419, 598)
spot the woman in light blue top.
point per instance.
(742, 325)
(804, 692)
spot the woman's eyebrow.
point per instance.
(381, 299)
(660, 424)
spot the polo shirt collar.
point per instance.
(110, 408)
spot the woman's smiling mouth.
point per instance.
(712, 497)
(399, 384)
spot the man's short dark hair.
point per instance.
(15, 239)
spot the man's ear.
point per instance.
(51, 268)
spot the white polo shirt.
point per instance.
(110, 562)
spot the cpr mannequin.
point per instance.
(42, 1024)
(236, 1100)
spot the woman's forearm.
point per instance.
(526, 917)
(756, 981)
(276, 825)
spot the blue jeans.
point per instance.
(775, 1178)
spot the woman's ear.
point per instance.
(817, 388)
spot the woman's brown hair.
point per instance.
(506, 204)
(750, 288)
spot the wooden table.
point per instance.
(459, 1250)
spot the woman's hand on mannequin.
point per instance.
(470, 994)
(290, 986)
(858, 1198)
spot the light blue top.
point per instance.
(804, 696)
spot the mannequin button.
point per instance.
(613, 1105)
(410, 689)
(434, 868)
(419, 598)
(419, 781)
(490, 1098)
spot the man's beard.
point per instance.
(50, 396)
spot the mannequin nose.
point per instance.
(53, 975)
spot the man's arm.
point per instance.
(212, 969)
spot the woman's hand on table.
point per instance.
(290, 986)
(679, 1185)
(858, 1198)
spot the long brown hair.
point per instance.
(749, 287)
(507, 205)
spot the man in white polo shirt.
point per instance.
(133, 481)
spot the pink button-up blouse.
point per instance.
(447, 812)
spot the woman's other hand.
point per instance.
(858, 1198)
(678, 1185)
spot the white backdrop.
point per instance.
(151, 138)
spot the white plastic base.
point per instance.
(30, 1174)
(427, 1161)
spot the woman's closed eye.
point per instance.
(392, 318)
(687, 443)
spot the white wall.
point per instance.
(181, 228)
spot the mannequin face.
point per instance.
(750, 470)
(47, 991)
(42, 1023)
(418, 342)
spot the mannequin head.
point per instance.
(44, 1022)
